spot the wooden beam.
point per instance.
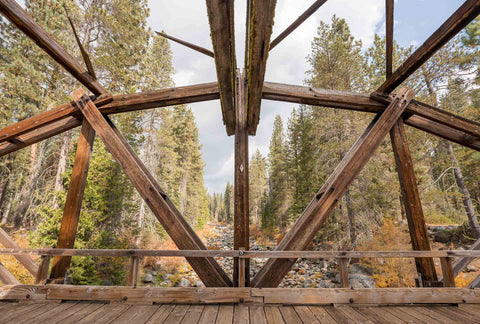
(187, 44)
(133, 275)
(6, 277)
(343, 270)
(447, 272)
(389, 5)
(475, 283)
(24, 260)
(310, 11)
(73, 203)
(20, 18)
(419, 115)
(307, 225)
(155, 199)
(221, 18)
(260, 31)
(462, 263)
(411, 199)
(66, 117)
(241, 207)
(42, 275)
(469, 10)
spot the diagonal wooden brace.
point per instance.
(179, 230)
(307, 225)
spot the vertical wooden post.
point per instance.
(241, 270)
(132, 279)
(241, 212)
(411, 199)
(389, 37)
(42, 274)
(447, 271)
(342, 264)
(73, 203)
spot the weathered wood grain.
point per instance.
(447, 272)
(187, 44)
(411, 200)
(259, 33)
(389, 6)
(221, 19)
(73, 202)
(6, 277)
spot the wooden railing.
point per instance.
(445, 257)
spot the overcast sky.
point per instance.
(415, 20)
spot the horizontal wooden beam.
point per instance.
(259, 29)
(67, 116)
(469, 10)
(20, 18)
(267, 296)
(187, 44)
(310, 11)
(419, 115)
(221, 19)
(245, 254)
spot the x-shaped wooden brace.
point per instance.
(176, 226)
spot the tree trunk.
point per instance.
(62, 164)
(467, 200)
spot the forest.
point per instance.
(303, 150)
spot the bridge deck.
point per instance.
(88, 312)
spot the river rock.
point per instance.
(183, 283)
(442, 236)
(358, 268)
(148, 278)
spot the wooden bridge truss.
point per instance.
(241, 92)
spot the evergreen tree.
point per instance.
(228, 203)
(257, 187)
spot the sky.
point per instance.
(415, 21)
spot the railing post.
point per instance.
(342, 263)
(132, 280)
(42, 274)
(241, 269)
(447, 271)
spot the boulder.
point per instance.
(199, 283)
(442, 236)
(358, 268)
(148, 278)
(183, 283)
(361, 281)
(470, 268)
(325, 284)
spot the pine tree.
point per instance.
(228, 202)
(277, 204)
(257, 187)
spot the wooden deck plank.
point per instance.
(461, 316)
(65, 314)
(53, 313)
(289, 315)
(419, 315)
(379, 313)
(402, 315)
(225, 314)
(337, 315)
(470, 309)
(322, 315)
(446, 317)
(257, 315)
(273, 314)
(177, 314)
(161, 314)
(306, 314)
(240, 315)
(16, 310)
(105, 314)
(209, 314)
(193, 314)
(136, 314)
(26, 316)
(79, 315)
(354, 315)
